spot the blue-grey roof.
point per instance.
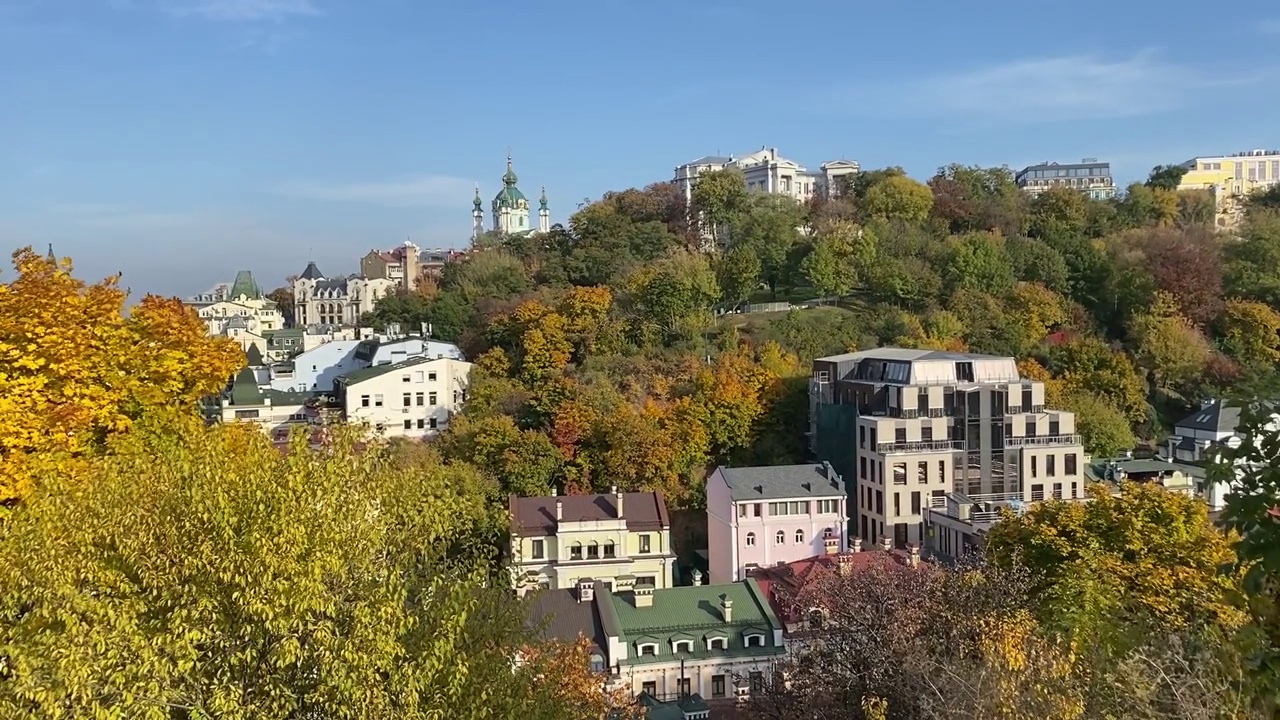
(312, 272)
(710, 160)
(1213, 417)
(782, 481)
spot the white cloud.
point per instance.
(423, 190)
(1050, 89)
(241, 10)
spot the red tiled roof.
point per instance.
(783, 584)
(537, 515)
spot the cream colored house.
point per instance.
(239, 310)
(275, 412)
(1232, 179)
(414, 398)
(558, 540)
(319, 300)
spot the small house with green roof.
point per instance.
(719, 641)
(274, 411)
(510, 209)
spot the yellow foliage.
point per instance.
(74, 370)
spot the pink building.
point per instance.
(763, 516)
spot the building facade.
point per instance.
(510, 209)
(339, 301)
(316, 369)
(719, 641)
(275, 412)
(408, 266)
(1232, 179)
(762, 516)
(926, 423)
(238, 310)
(414, 398)
(768, 172)
(558, 540)
(1088, 176)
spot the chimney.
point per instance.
(726, 608)
(831, 472)
(844, 562)
(914, 557)
(857, 545)
(553, 491)
(831, 544)
(643, 596)
(697, 576)
(617, 500)
(586, 590)
(559, 509)
(886, 544)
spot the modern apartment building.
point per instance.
(1231, 179)
(924, 424)
(767, 171)
(1088, 176)
(762, 516)
(558, 540)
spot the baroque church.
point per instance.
(510, 210)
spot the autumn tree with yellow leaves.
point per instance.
(75, 369)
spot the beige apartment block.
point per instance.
(558, 540)
(927, 424)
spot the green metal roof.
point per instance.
(509, 196)
(245, 285)
(356, 376)
(245, 391)
(693, 612)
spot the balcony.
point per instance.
(1042, 441)
(921, 446)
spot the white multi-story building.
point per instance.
(316, 369)
(927, 426)
(413, 398)
(768, 172)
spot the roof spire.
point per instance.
(52, 258)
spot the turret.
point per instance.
(544, 215)
(477, 215)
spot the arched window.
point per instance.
(647, 648)
(799, 537)
(593, 551)
(682, 646)
(609, 550)
(751, 539)
(780, 538)
(597, 663)
(575, 551)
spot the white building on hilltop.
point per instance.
(767, 171)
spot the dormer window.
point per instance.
(682, 646)
(753, 639)
(647, 649)
(718, 643)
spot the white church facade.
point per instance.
(510, 210)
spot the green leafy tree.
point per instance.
(898, 197)
(978, 261)
(738, 271)
(770, 227)
(842, 254)
(1250, 332)
(719, 196)
(1154, 552)
(1089, 364)
(1036, 261)
(1104, 430)
(1166, 177)
(205, 574)
(1165, 343)
(1058, 212)
(1253, 262)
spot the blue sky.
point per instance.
(181, 140)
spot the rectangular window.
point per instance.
(364, 401)
(405, 378)
(417, 376)
(879, 503)
(432, 399)
(539, 549)
(431, 377)
(1033, 465)
(900, 435)
(717, 686)
(684, 687)
(408, 399)
(1057, 491)
(1075, 491)
(757, 681)
(377, 401)
(897, 504)
(649, 688)
(915, 503)
(828, 507)
(420, 398)
(408, 424)
(926, 433)
(742, 510)
(862, 436)
(1037, 492)
(1031, 428)
(862, 468)
(1053, 428)
(1050, 465)
(644, 545)
(421, 423)
(593, 552)
(432, 423)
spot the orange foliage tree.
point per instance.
(75, 370)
